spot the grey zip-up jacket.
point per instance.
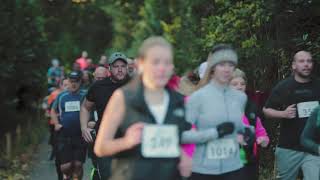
(208, 107)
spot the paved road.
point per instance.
(43, 169)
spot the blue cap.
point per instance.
(76, 75)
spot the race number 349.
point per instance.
(160, 141)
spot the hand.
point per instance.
(86, 135)
(249, 135)
(57, 127)
(185, 165)
(290, 112)
(262, 141)
(133, 135)
(91, 124)
(225, 128)
(240, 139)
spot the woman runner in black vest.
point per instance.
(143, 122)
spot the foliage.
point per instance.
(266, 34)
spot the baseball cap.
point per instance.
(117, 55)
(76, 75)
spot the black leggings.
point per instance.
(234, 175)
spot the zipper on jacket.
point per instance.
(228, 117)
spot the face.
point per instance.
(76, 67)
(223, 72)
(118, 70)
(238, 83)
(85, 76)
(157, 66)
(65, 84)
(89, 61)
(84, 54)
(103, 60)
(131, 68)
(100, 73)
(74, 85)
(302, 64)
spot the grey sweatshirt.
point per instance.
(208, 107)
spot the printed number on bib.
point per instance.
(305, 109)
(221, 149)
(72, 106)
(160, 141)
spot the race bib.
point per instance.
(72, 106)
(95, 115)
(305, 108)
(160, 141)
(221, 149)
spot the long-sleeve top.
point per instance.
(208, 107)
(260, 131)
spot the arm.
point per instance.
(106, 144)
(198, 137)
(55, 121)
(273, 104)
(288, 113)
(192, 116)
(86, 108)
(54, 113)
(272, 113)
(308, 133)
(261, 134)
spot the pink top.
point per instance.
(189, 148)
(174, 85)
(259, 129)
(82, 62)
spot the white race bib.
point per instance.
(305, 108)
(72, 106)
(221, 149)
(95, 115)
(160, 141)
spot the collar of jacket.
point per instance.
(138, 100)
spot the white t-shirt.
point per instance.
(159, 111)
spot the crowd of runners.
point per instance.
(137, 120)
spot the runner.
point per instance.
(98, 97)
(71, 148)
(251, 118)
(100, 73)
(54, 74)
(132, 69)
(103, 61)
(143, 121)
(216, 111)
(64, 85)
(292, 101)
(310, 137)
(82, 61)
(87, 80)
